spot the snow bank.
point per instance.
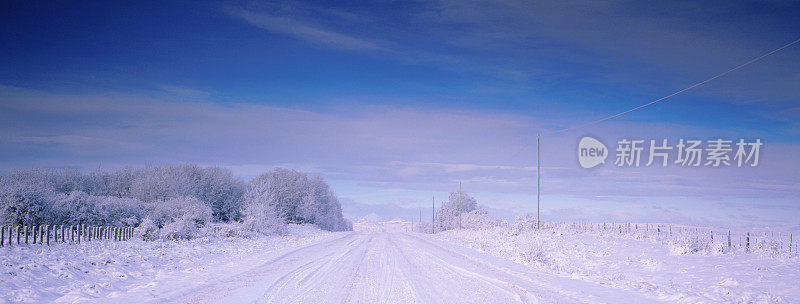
(680, 268)
(92, 270)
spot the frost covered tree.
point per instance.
(260, 217)
(284, 190)
(459, 202)
(26, 198)
(117, 183)
(168, 201)
(79, 207)
(213, 186)
(297, 199)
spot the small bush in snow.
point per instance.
(177, 218)
(423, 227)
(524, 222)
(478, 219)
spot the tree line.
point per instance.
(168, 201)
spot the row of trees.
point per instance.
(168, 201)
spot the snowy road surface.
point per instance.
(384, 267)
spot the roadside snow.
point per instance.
(92, 270)
(646, 265)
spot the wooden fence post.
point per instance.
(2, 235)
(48, 235)
(72, 233)
(25, 230)
(748, 242)
(729, 239)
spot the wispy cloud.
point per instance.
(302, 30)
(372, 154)
(183, 91)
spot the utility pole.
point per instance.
(459, 205)
(538, 185)
(433, 214)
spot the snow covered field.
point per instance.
(125, 271)
(382, 262)
(680, 268)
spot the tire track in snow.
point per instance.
(394, 267)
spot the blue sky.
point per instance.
(393, 102)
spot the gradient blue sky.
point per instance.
(393, 102)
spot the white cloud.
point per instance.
(301, 30)
(378, 153)
(183, 91)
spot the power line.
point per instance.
(665, 97)
(678, 92)
(538, 162)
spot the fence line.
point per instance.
(701, 238)
(53, 234)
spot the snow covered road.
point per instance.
(387, 267)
